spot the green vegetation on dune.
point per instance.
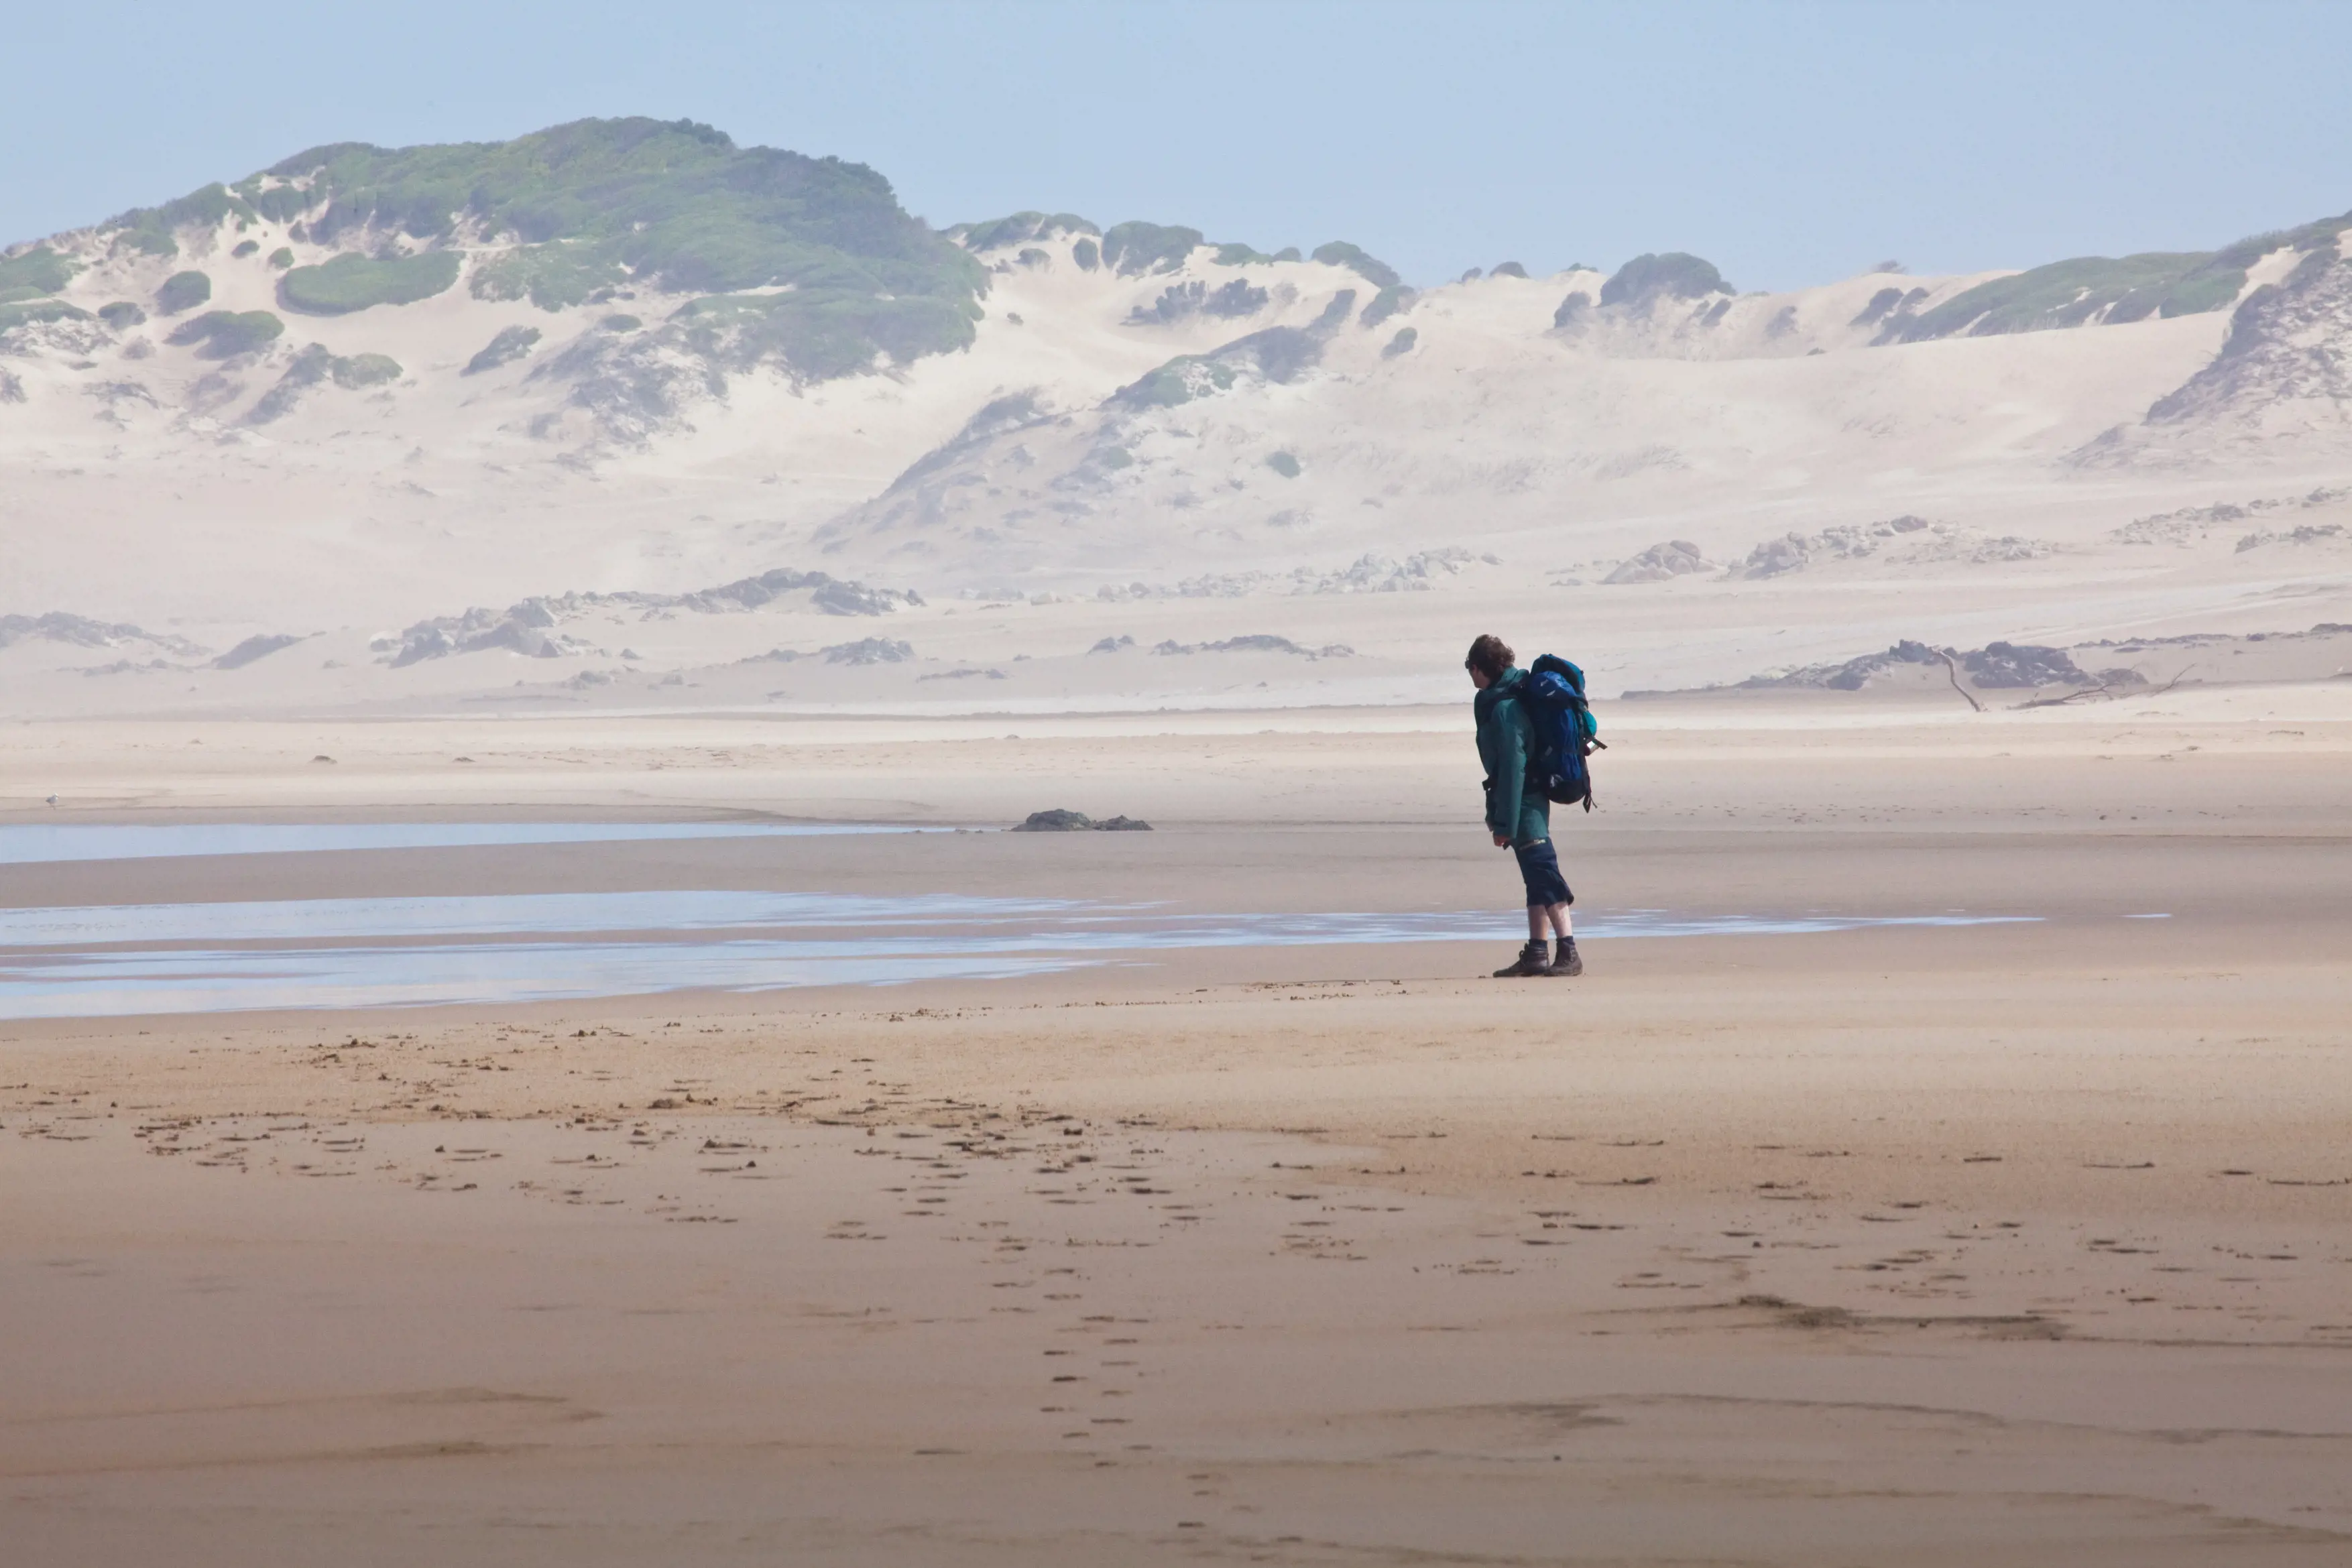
(1241, 255)
(675, 206)
(512, 344)
(1019, 229)
(281, 259)
(2303, 237)
(349, 282)
(1131, 249)
(600, 205)
(218, 334)
(550, 275)
(26, 312)
(365, 370)
(677, 203)
(1178, 381)
(2069, 293)
(2109, 289)
(183, 291)
(281, 204)
(39, 270)
(316, 364)
(1388, 302)
(122, 315)
(274, 198)
(821, 332)
(154, 230)
(2206, 289)
(1277, 354)
(1373, 270)
(1674, 274)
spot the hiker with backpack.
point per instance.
(1535, 736)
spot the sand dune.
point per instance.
(1191, 422)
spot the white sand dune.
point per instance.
(1281, 468)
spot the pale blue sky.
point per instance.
(1789, 143)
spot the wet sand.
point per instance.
(2005, 1244)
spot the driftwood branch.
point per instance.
(2104, 689)
(2084, 693)
(1953, 670)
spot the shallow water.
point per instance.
(118, 959)
(31, 843)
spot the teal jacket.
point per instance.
(1505, 736)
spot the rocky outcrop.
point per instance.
(1063, 820)
(529, 627)
(81, 632)
(254, 648)
(2288, 344)
(1661, 562)
(2282, 379)
(1996, 666)
(524, 629)
(1257, 643)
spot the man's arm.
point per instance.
(1503, 801)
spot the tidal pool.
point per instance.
(27, 843)
(102, 960)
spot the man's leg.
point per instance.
(1535, 959)
(1565, 959)
(1548, 899)
(1548, 892)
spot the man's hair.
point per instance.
(1490, 656)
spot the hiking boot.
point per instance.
(1533, 960)
(1568, 961)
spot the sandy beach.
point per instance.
(2015, 1242)
(548, 1016)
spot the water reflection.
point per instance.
(28, 843)
(112, 959)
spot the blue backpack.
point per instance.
(1566, 733)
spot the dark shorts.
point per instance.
(1539, 868)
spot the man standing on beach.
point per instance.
(1519, 817)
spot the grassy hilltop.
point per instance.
(601, 280)
(807, 262)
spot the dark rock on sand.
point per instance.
(1067, 821)
(1999, 665)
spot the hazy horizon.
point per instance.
(1788, 144)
